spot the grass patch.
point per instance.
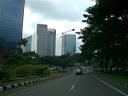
(119, 80)
(111, 76)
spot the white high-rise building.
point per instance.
(34, 43)
(51, 42)
(42, 40)
(46, 40)
(68, 44)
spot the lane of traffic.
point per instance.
(57, 87)
(70, 85)
(89, 86)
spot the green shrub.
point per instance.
(25, 70)
(42, 70)
(32, 70)
(7, 73)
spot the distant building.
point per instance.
(68, 44)
(28, 47)
(34, 43)
(46, 40)
(11, 23)
(51, 42)
(42, 41)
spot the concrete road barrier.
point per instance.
(31, 82)
(9, 87)
(1, 89)
(21, 84)
(15, 85)
(26, 83)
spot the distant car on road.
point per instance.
(78, 71)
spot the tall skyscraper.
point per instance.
(51, 42)
(42, 40)
(46, 40)
(11, 22)
(68, 44)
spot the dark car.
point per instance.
(78, 71)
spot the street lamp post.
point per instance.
(67, 31)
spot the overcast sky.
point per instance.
(62, 15)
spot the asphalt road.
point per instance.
(70, 85)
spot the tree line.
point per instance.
(105, 38)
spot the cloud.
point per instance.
(63, 26)
(70, 10)
(30, 21)
(62, 15)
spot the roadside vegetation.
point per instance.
(23, 71)
(105, 38)
(28, 65)
(118, 80)
(105, 41)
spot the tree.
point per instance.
(62, 61)
(106, 36)
(23, 42)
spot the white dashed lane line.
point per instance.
(73, 86)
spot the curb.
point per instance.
(1, 89)
(7, 87)
(15, 85)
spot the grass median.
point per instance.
(119, 81)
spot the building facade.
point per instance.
(51, 42)
(46, 40)
(68, 44)
(42, 35)
(11, 23)
(34, 43)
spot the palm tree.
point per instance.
(23, 42)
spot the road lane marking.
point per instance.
(73, 86)
(111, 86)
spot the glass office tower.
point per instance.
(68, 44)
(11, 22)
